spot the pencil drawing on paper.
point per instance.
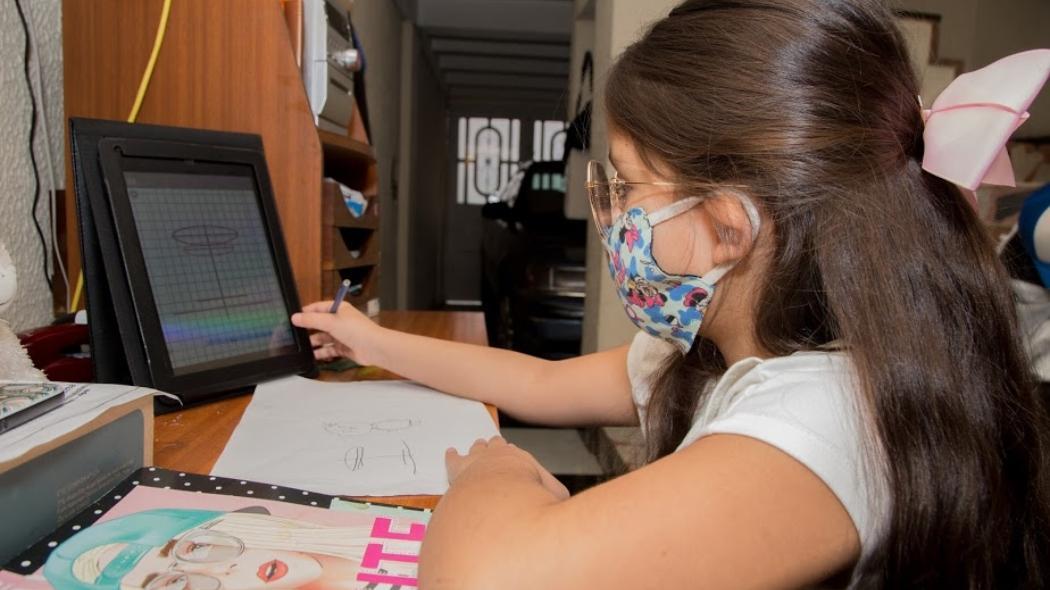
(361, 458)
(344, 429)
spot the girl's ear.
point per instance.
(732, 226)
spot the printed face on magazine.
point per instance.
(204, 559)
(253, 568)
(194, 549)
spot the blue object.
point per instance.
(355, 201)
(1033, 212)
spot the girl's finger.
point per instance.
(324, 322)
(318, 307)
(453, 463)
(327, 353)
(551, 483)
(478, 445)
(318, 339)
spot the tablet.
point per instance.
(190, 236)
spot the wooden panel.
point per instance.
(293, 17)
(225, 65)
(192, 440)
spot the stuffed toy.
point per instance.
(14, 361)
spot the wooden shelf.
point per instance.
(365, 275)
(341, 217)
(346, 148)
(335, 214)
(343, 260)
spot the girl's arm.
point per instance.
(726, 512)
(592, 389)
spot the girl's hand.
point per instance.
(497, 456)
(344, 334)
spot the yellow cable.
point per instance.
(147, 75)
(76, 292)
(162, 28)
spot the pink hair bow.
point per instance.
(967, 127)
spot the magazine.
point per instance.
(167, 530)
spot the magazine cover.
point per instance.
(168, 530)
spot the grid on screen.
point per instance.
(213, 278)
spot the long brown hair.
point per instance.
(812, 104)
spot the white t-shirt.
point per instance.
(805, 404)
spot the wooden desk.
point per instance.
(192, 440)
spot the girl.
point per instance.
(831, 384)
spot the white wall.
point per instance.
(32, 306)
(422, 176)
(617, 24)
(541, 17)
(406, 155)
(958, 24)
(378, 26)
(1008, 27)
(430, 165)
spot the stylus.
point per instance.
(340, 296)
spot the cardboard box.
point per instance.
(51, 483)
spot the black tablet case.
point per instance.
(118, 356)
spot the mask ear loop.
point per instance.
(673, 210)
(752, 214)
(677, 208)
(716, 273)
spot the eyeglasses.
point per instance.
(609, 197)
(199, 547)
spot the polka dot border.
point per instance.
(33, 558)
(30, 560)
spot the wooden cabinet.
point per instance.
(226, 65)
(350, 244)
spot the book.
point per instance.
(21, 402)
(162, 529)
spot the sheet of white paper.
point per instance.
(367, 438)
(82, 404)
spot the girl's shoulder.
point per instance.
(807, 404)
(824, 369)
(812, 393)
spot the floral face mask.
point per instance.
(665, 305)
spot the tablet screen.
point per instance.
(211, 268)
